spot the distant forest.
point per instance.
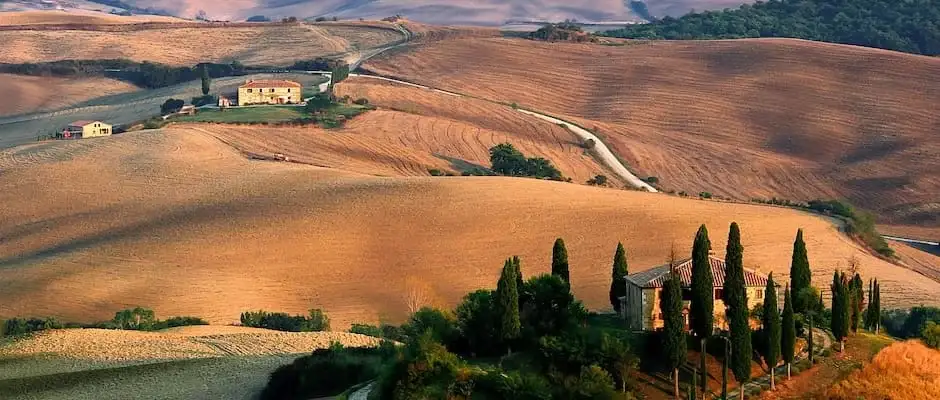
(911, 26)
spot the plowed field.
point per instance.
(27, 94)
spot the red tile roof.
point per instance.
(270, 83)
(656, 276)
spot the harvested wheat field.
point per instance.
(903, 371)
(27, 94)
(414, 131)
(263, 44)
(743, 119)
(919, 258)
(177, 221)
(82, 17)
(193, 342)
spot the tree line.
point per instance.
(909, 26)
(137, 318)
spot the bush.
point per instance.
(22, 326)
(319, 19)
(174, 322)
(435, 172)
(652, 180)
(441, 325)
(705, 195)
(138, 318)
(598, 180)
(204, 100)
(512, 385)
(325, 372)
(171, 105)
(931, 334)
(317, 321)
(506, 160)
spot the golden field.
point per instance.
(28, 94)
(177, 221)
(903, 371)
(739, 118)
(413, 131)
(189, 44)
(38, 17)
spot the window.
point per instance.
(760, 294)
(272, 90)
(719, 294)
(288, 90)
(249, 90)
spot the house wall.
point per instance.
(633, 307)
(651, 321)
(96, 129)
(269, 95)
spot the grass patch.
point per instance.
(261, 114)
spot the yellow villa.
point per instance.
(86, 129)
(273, 91)
(640, 307)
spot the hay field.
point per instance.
(415, 130)
(49, 17)
(29, 94)
(263, 44)
(177, 221)
(903, 371)
(742, 119)
(122, 108)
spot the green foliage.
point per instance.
(339, 73)
(171, 105)
(841, 302)
(736, 306)
(507, 304)
(674, 340)
(508, 161)
(325, 372)
(857, 301)
(564, 359)
(512, 385)
(316, 322)
(441, 325)
(770, 324)
(258, 18)
(362, 101)
(22, 326)
(138, 318)
(204, 100)
(564, 31)
(705, 195)
(592, 383)
(206, 80)
(597, 180)
(618, 287)
(788, 331)
(909, 26)
(384, 331)
(476, 320)
(800, 275)
(318, 102)
(425, 370)
(910, 323)
(560, 261)
(549, 307)
(701, 312)
(931, 334)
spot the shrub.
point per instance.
(592, 383)
(598, 180)
(589, 144)
(204, 100)
(512, 385)
(652, 180)
(435, 172)
(317, 321)
(171, 105)
(931, 334)
(138, 318)
(22, 326)
(174, 322)
(441, 325)
(705, 195)
(319, 19)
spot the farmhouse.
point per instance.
(273, 91)
(86, 129)
(640, 307)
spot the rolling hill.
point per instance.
(178, 221)
(29, 94)
(741, 118)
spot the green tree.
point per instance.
(318, 102)
(507, 305)
(560, 260)
(506, 160)
(736, 307)
(931, 334)
(869, 321)
(476, 321)
(206, 80)
(877, 313)
(771, 325)
(520, 284)
(701, 313)
(788, 331)
(548, 307)
(674, 340)
(800, 274)
(318, 321)
(857, 296)
(618, 287)
(839, 323)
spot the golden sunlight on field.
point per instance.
(903, 371)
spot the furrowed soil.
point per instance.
(414, 130)
(742, 119)
(24, 94)
(177, 221)
(190, 43)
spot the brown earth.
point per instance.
(251, 44)
(179, 222)
(741, 119)
(27, 94)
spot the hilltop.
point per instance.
(741, 119)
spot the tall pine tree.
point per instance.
(770, 320)
(520, 284)
(877, 314)
(618, 287)
(674, 341)
(206, 80)
(560, 260)
(702, 307)
(857, 295)
(788, 331)
(736, 308)
(800, 275)
(839, 323)
(871, 306)
(507, 305)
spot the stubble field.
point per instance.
(28, 94)
(177, 221)
(743, 119)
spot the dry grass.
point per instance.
(430, 131)
(179, 222)
(77, 17)
(27, 94)
(917, 259)
(903, 371)
(119, 346)
(263, 44)
(743, 119)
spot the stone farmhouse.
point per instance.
(270, 91)
(640, 307)
(86, 129)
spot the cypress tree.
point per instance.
(520, 285)
(702, 308)
(871, 305)
(770, 320)
(857, 295)
(618, 288)
(560, 260)
(507, 304)
(877, 314)
(840, 308)
(800, 275)
(788, 331)
(674, 341)
(736, 308)
(206, 80)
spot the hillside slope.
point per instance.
(177, 221)
(743, 119)
(29, 94)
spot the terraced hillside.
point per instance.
(178, 221)
(743, 119)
